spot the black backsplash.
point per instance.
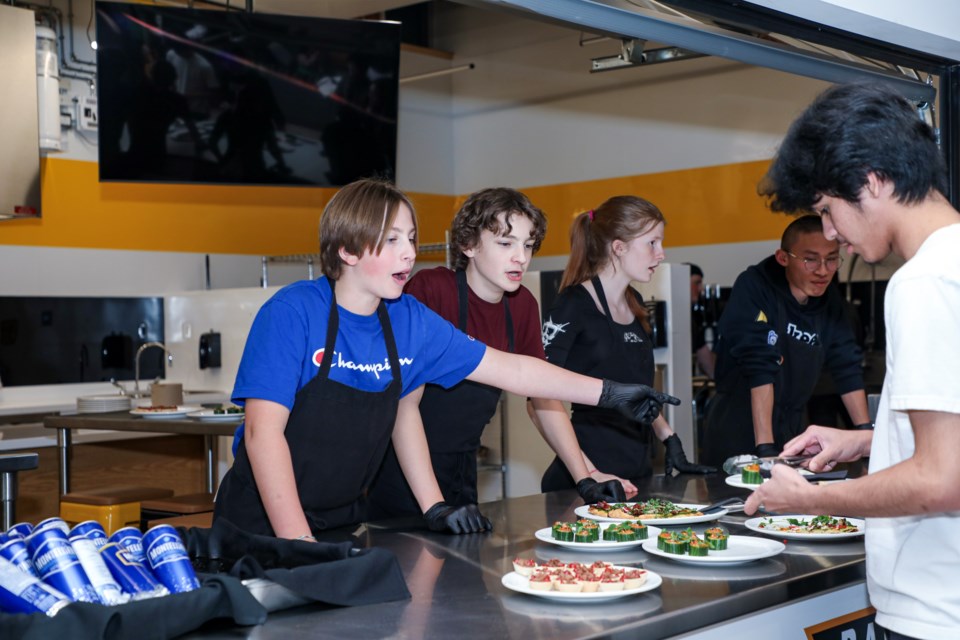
(59, 340)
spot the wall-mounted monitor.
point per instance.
(229, 97)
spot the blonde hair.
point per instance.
(356, 219)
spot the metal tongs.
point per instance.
(736, 464)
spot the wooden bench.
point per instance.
(113, 507)
(184, 505)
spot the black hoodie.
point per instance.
(767, 337)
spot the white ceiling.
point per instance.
(931, 26)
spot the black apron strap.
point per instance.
(601, 296)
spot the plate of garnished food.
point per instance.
(714, 547)
(811, 528)
(223, 413)
(655, 511)
(162, 412)
(590, 535)
(578, 581)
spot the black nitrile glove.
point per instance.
(592, 491)
(675, 458)
(636, 401)
(450, 519)
(767, 450)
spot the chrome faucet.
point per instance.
(136, 366)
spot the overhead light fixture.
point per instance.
(632, 55)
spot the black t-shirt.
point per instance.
(579, 337)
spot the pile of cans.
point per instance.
(44, 568)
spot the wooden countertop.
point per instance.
(123, 421)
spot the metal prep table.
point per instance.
(457, 593)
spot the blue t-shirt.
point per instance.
(286, 345)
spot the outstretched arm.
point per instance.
(535, 378)
(927, 482)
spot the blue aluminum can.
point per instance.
(134, 578)
(168, 559)
(20, 530)
(96, 569)
(90, 529)
(22, 593)
(130, 539)
(55, 522)
(14, 550)
(58, 565)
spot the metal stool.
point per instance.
(10, 464)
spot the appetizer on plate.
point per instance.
(688, 542)
(818, 524)
(578, 577)
(653, 508)
(750, 474)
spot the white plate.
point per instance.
(546, 535)
(207, 415)
(521, 584)
(737, 480)
(166, 414)
(584, 512)
(739, 549)
(754, 525)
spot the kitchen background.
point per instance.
(693, 136)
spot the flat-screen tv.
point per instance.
(229, 97)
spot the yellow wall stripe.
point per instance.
(709, 205)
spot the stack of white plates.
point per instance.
(102, 404)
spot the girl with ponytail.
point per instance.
(598, 326)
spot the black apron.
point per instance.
(729, 420)
(614, 443)
(337, 437)
(453, 420)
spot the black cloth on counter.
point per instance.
(219, 596)
(331, 572)
(335, 573)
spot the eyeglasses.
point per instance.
(832, 263)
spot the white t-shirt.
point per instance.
(913, 562)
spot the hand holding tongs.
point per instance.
(736, 464)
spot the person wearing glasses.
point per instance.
(781, 327)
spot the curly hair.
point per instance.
(848, 132)
(482, 210)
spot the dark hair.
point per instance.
(356, 219)
(619, 218)
(848, 132)
(799, 227)
(694, 269)
(481, 211)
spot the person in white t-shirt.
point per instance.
(860, 157)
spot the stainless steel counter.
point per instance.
(456, 589)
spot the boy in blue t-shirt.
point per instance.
(334, 368)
